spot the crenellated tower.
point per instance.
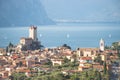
(33, 33)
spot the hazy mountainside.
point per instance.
(22, 13)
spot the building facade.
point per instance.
(26, 41)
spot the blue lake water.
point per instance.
(75, 35)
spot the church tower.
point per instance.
(102, 45)
(33, 33)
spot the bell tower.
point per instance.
(102, 45)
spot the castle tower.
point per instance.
(33, 33)
(102, 45)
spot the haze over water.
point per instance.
(74, 34)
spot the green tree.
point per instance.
(9, 48)
(99, 76)
(107, 47)
(65, 45)
(28, 79)
(74, 56)
(105, 68)
(58, 76)
(10, 45)
(66, 60)
(74, 77)
(115, 45)
(49, 62)
(86, 74)
(118, 50)
(18, 76)
(98, 59)
(20, 63)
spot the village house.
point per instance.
(56, 61)
(2, 51)
(97, 66)
(88, 52)
(42, 60)
(4, 74)
(10, 69)
(2, 68)
(24, 70)
(68, 56)
(85, 63)
(66, 51)
(30, 63)
(3, 62)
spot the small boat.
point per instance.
(40, 35)
(109, 35)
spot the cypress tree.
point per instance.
(99, 76)
(105, 68)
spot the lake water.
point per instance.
(75, 35)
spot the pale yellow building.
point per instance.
(103, 57)
(87, 52)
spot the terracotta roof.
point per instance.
(84, 66)
(23, 70)
(1, 67)
(15, 57)
(89, 49)
(98, 66)
(86, 58)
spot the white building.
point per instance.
(85, 63)
(102, 45)
(57, 61)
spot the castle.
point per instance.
(30, 43)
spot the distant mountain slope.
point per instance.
(22, 13)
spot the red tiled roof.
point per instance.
(84, 66)
(15, 57)
(98, 66)
(23, 70)
(86, 58)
